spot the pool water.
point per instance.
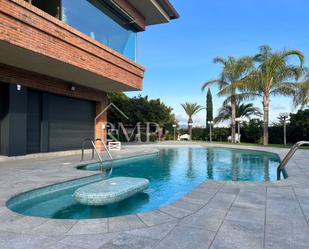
(172, 174)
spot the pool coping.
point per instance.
(173, 213)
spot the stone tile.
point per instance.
(2, 208)
(251, 215)
(127, 241)
(58, 245)
(198, 195)
(175, 211)
(22, 224)
(306, 211)
(284, 193)
(229, 190)
(24, 241)
(124, 223)
(221, 201)
(183, 237)
(286, 226)
(252, 187)
(287, 234)
(207, 218)
(89, 241)
(94, 226)
(154, 232)
(209, 187)
(54, 227)
(188, 205)
(251, 199)
(9, 216)
(156, 217)
(239, 235)
(290, 207)
(197, 202)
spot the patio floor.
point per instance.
(214, 215)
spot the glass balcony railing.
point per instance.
(94, 19)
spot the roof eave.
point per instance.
(169, 9)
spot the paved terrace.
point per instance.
(214, 215)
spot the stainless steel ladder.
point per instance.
(287, 158)
(105, 147)
(109, 154)
(94, 149)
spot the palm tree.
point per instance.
(301, 97)
(271, 78)
(242, 111)
(191, 109)
(234, 70)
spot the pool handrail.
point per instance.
(287, 158)
(109, 154)
(105, 147)
(94, 149)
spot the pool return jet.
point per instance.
(110, 189)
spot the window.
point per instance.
(95, 20)
(51, 7)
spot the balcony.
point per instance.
(36, 41)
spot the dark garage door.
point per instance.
(70, 121)
(34, 118)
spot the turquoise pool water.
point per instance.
(172, 173)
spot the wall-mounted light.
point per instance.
(18, 87)
(72, 88)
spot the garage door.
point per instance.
(70, 121)
(34, 122)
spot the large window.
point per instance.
(95, 20)
(51, 7)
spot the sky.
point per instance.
(178, 56)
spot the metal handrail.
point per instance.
(83, 148)
(94, 149)
(105, 147)
(287, 158)
(109, 154)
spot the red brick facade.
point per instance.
(25, 26)
(28, 27)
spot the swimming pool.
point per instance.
(172, 173)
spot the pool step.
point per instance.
(110, 191)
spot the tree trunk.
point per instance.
(233, 123)
(265, 118)
(190, 127)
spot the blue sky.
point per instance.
(178, 56)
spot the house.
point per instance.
(59, 59)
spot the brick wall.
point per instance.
(26, 26)
(45, 83)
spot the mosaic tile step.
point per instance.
(110, 191)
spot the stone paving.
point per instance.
(215, 215)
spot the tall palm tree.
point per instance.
(272, 77)
(234, 70)
(242, 111)
(191, 109)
